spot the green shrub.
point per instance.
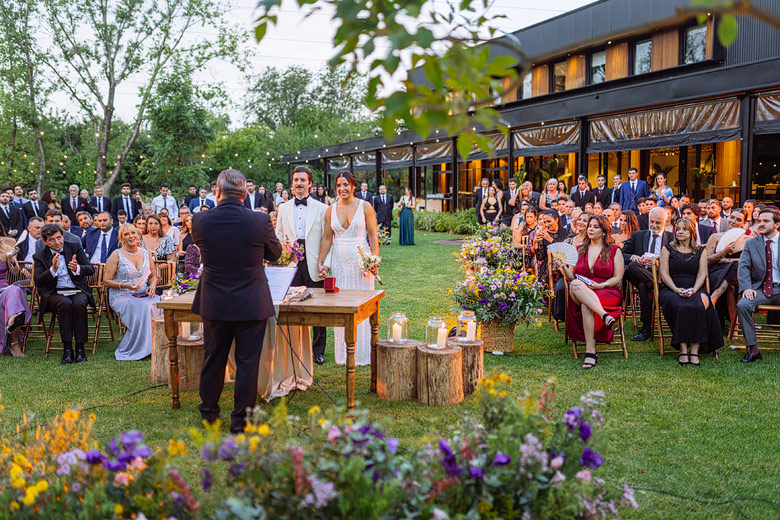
(461, 222)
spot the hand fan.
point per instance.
(565, 252)
(728, 237)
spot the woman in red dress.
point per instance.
(595, 299)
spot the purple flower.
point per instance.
(131, 439)
(449, 461)
(481, 287)
(484, 301)
(236, 469)
(501, 459)
(94, 457)
(112, 448)
(502, 306)
(591, 459)
(476, 472)
(142, 451)
(178, 499)
(114, 465)
(206, 482)
(585, 431)
(571, 417)
(392, 445)
(228, 450)
(208, 452)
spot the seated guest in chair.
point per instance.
(683, 298)
(61, 268)
(723, 263)
(100, 241)
(639, 252)
(131, 280)
(29, 240)
(594, 303)
(13, 300)
(548, 231)
(758, 275)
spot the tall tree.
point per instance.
(276, 97)
(100, 44)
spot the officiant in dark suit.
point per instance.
(233, 296)
(383, 207)
(638, 253)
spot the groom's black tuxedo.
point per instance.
(233, 299)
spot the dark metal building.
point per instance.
(614, 84)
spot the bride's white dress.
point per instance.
(345, 266)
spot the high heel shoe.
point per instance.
(681, 362)
(690, 362)
(609, 321)
(15, 350)
(588, 357)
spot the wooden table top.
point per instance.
(344, 301)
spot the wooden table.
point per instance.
(345, 308)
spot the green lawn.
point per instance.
(709, 433)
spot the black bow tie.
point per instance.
(301, 201)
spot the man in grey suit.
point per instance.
(714, 218)
(758, 275)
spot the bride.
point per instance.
(349, 223)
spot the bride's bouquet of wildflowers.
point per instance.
(369, 264)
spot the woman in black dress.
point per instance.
(684, 300)
(491, 207)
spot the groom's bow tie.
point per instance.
(301, 201)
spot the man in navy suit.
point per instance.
(603, 194)
(100, 202)
(201, 200)
(364, 194)
(126, 202)
(102, 240)
(632, 190)
(582, 195)
(233, 296)
(253, 200)
(10, 215)
(34, 207)
(383, 207)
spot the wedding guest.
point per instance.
(511, 201)
(100, 202)
(632, 190)
(167, 226)
(727, 205)
(34, 207)
(582, 195)
(562, 187)
(66, 225)
(753, 227)
(121, 218)
(723, 263)
(148, 210)
(253, 198)
(523, 224)
(322, 194)
(748, 207)
(192, 260)
(481, 194)
(616, 212)
(383, 207)
(617, 180)
(140, 224)
(491, 207)
(499, 186)
(60, 270)
(274, 216)
(269, 200)
(193, 194)
(364, 194)
(683, 298)
(50, 200)
(675, 204)
(703, 233)
(293, 225)
(285, 197)
(102, 240)
(126, 202)
(589, 207)
(74, 203)
(233, 297)
(595, 301)
(201, 200)
(406, 218)
(185, 239)
(639, 252)
(10, 216)
(602, 193)
(13, 300)
(212, 196)
(714, 218)
(527, 189)
(28, 241)
(138, 198)
(158, 242)
(670, 218)
(598, 209)
(661, 193)
(55, 216)
(551, 195)
(580, 229)
(129, 270)
(184, 213)
(165, 201)
(628, 226)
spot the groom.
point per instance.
(302, 219)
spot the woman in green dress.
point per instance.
(406, 220)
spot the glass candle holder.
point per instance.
(398, 327)
(436, 332)
(467, 326)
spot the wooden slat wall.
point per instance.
(617, 61)
(540, 80)
(575, 71)
(666, 49)
(508, 96)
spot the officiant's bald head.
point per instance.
(231, 184)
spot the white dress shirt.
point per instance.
(658, 243)
(127, 204)
(212, 198)
(299, 210)
(251, 197)
(95, 259)
(168, 203)
(63, 280)
(201, 202)
(99, 203)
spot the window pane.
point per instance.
(695, 44)
(643, 53)
(598, 67)
(527, 86)
(559, 78)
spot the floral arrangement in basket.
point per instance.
(492, 230)
(184, 284)
(503, 294)
(384, 236)
(291, 254)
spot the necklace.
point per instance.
(137, 251)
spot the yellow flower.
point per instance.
(493, 393)
(253, 442)
(314, 410)
(322, 420)
(488, 384)
(484, 507)
(18, 483)
(29, 499)
(118, 510)
(505, 378)
(20, 459)
(16, 471)
(15, 506)
(264, 430)
(41, 486)
(250, 428)
(176, 448)
(502, 394)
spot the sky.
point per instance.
(306, 41)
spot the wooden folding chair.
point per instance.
(768, 332)
(661, 326)
(619, 338)
(551, 297)
(166, 273)
(523, 247)
(100, 294)
(630, 308)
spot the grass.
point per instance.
(709, 433)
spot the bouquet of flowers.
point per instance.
(494, 229)
(183, 283)
(369, 264)
(291, 254)
(494, 250)
(501, 294)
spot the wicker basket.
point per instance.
(497, 337)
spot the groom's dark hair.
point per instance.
(306, 170)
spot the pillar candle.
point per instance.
(441, 338)
(397, 329)
(471, 331)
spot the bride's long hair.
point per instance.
(346, 174)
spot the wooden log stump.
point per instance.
(159, 351)
(396, 370)
(439, 375)
(190, 357)
(473, 362)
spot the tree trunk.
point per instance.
(34, 123)
(14, 129)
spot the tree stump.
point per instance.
(439, 375)
(159, 351)
(473, 362)
(190, 357)
(396, 370)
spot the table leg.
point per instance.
(374, 320)
(350, 333)
(172, 330)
